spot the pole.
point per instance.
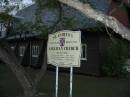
(56, 91)
(71, 80)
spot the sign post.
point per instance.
(71, 80)
(57, 74)
(64, 50)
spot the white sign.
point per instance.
(64, 48)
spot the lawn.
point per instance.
(83, 86)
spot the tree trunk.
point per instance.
(8, 57)
(30, 92)
(41, 73)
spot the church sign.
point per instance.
(64, 48)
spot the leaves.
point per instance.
(115, 59)
(51, 4)
(68, 22)
(4, 17)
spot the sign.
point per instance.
(64, 48)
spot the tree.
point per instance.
(115, 59)
(109, 21)
(28, 85)
(11, 60)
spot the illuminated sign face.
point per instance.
(64, 48)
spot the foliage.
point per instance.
(7, 7)
(40, 26)
(4, 17)
(65, 21)
(68, 22)
(52, 4)
(23, 27)
(7, 21)
(115, 59)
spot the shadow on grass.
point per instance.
(9, 86)
(83, 86)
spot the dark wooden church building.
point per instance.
(30, 47)
(30, 50)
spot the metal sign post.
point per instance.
(71, 80)
(64, 50)
(56, 91)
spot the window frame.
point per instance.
(35, 51)
(12, 48)
(21, 50)
(2, 28)
(128, 65)
(82, 56)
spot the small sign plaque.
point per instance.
(64, 48)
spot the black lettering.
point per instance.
(77, 48)
(61, 48)
(72, 48)
(63, 34)
(66, 48)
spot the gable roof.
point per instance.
(50, 16)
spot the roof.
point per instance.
(21, 36)
(50, 16)
(18, 17)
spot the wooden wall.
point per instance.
(97, 43)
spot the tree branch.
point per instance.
(59, 17)
(109, 21)
(8, 57)
(42, 71)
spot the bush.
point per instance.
(115, 59)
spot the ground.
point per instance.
(83, 86)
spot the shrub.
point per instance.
(115, 59)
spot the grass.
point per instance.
(83, 86)
(9, 86)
